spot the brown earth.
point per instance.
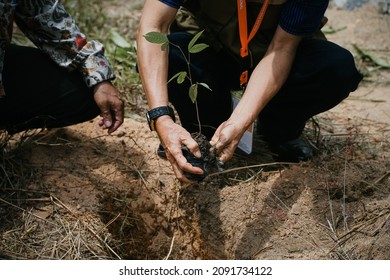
(77, 193)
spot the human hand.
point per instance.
(226, 138)
(174, 138)
(111, 106)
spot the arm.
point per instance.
(52, 29)
(266, 80)
(153, 69)
(298, 19)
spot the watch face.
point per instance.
(149, 119)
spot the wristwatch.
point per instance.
(157, 112)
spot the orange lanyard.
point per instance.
(243, 30)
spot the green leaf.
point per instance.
(193, 92)
(205, 86)
(198, 48)
(180, 77)
(164, 46)
(119, 40)
(194, 39)
(330, 30)
(376, 60)
(173, 77)
(156, 38)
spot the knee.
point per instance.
(342, 72)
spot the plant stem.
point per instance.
(198, 117)
(188, 60)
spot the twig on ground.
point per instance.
(170, 249)
(250, 167)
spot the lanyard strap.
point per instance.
(243, 31)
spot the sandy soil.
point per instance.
(86, 195)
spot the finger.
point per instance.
(215, 137)
(226, 153)
(175, 156)
(118, 115)
(180, 175)
(106, 115)
(193, 147)
(176, 169)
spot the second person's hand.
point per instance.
(111, 106)
(226, 138)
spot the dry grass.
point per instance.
(35, 224)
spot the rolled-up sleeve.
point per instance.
(52, 29)
(173, 3)
(303, 17)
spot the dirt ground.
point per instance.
(81, 194)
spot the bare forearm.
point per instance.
(152, 61)
(267, 78)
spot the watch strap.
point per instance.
(153, 114)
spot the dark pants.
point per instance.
(41, 94)
(323, 74)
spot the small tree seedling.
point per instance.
(193, 47)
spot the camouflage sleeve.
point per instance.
(6, 12)
(52, 29)
(2, 92)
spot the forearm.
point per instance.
(153, 70)
(267, 78)
(152, 61)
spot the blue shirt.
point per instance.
(173, 3)
(299, 17)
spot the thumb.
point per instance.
(215, 137)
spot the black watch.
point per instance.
(157, 112)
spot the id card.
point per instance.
(246, 142)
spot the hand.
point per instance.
(172, 137)
(108, 99)
(226, 139)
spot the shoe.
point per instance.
(295, 150)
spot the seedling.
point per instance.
(193, 47)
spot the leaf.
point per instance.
(173, 77)
(198, 48)
(180, 77)
(194, 39)
(205, 86)
(119, 40)
(330, 30)
(156, 38)
(193, 92)
(164, 46)
(373, 58)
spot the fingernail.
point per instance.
(198, 154)
(107, 123)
